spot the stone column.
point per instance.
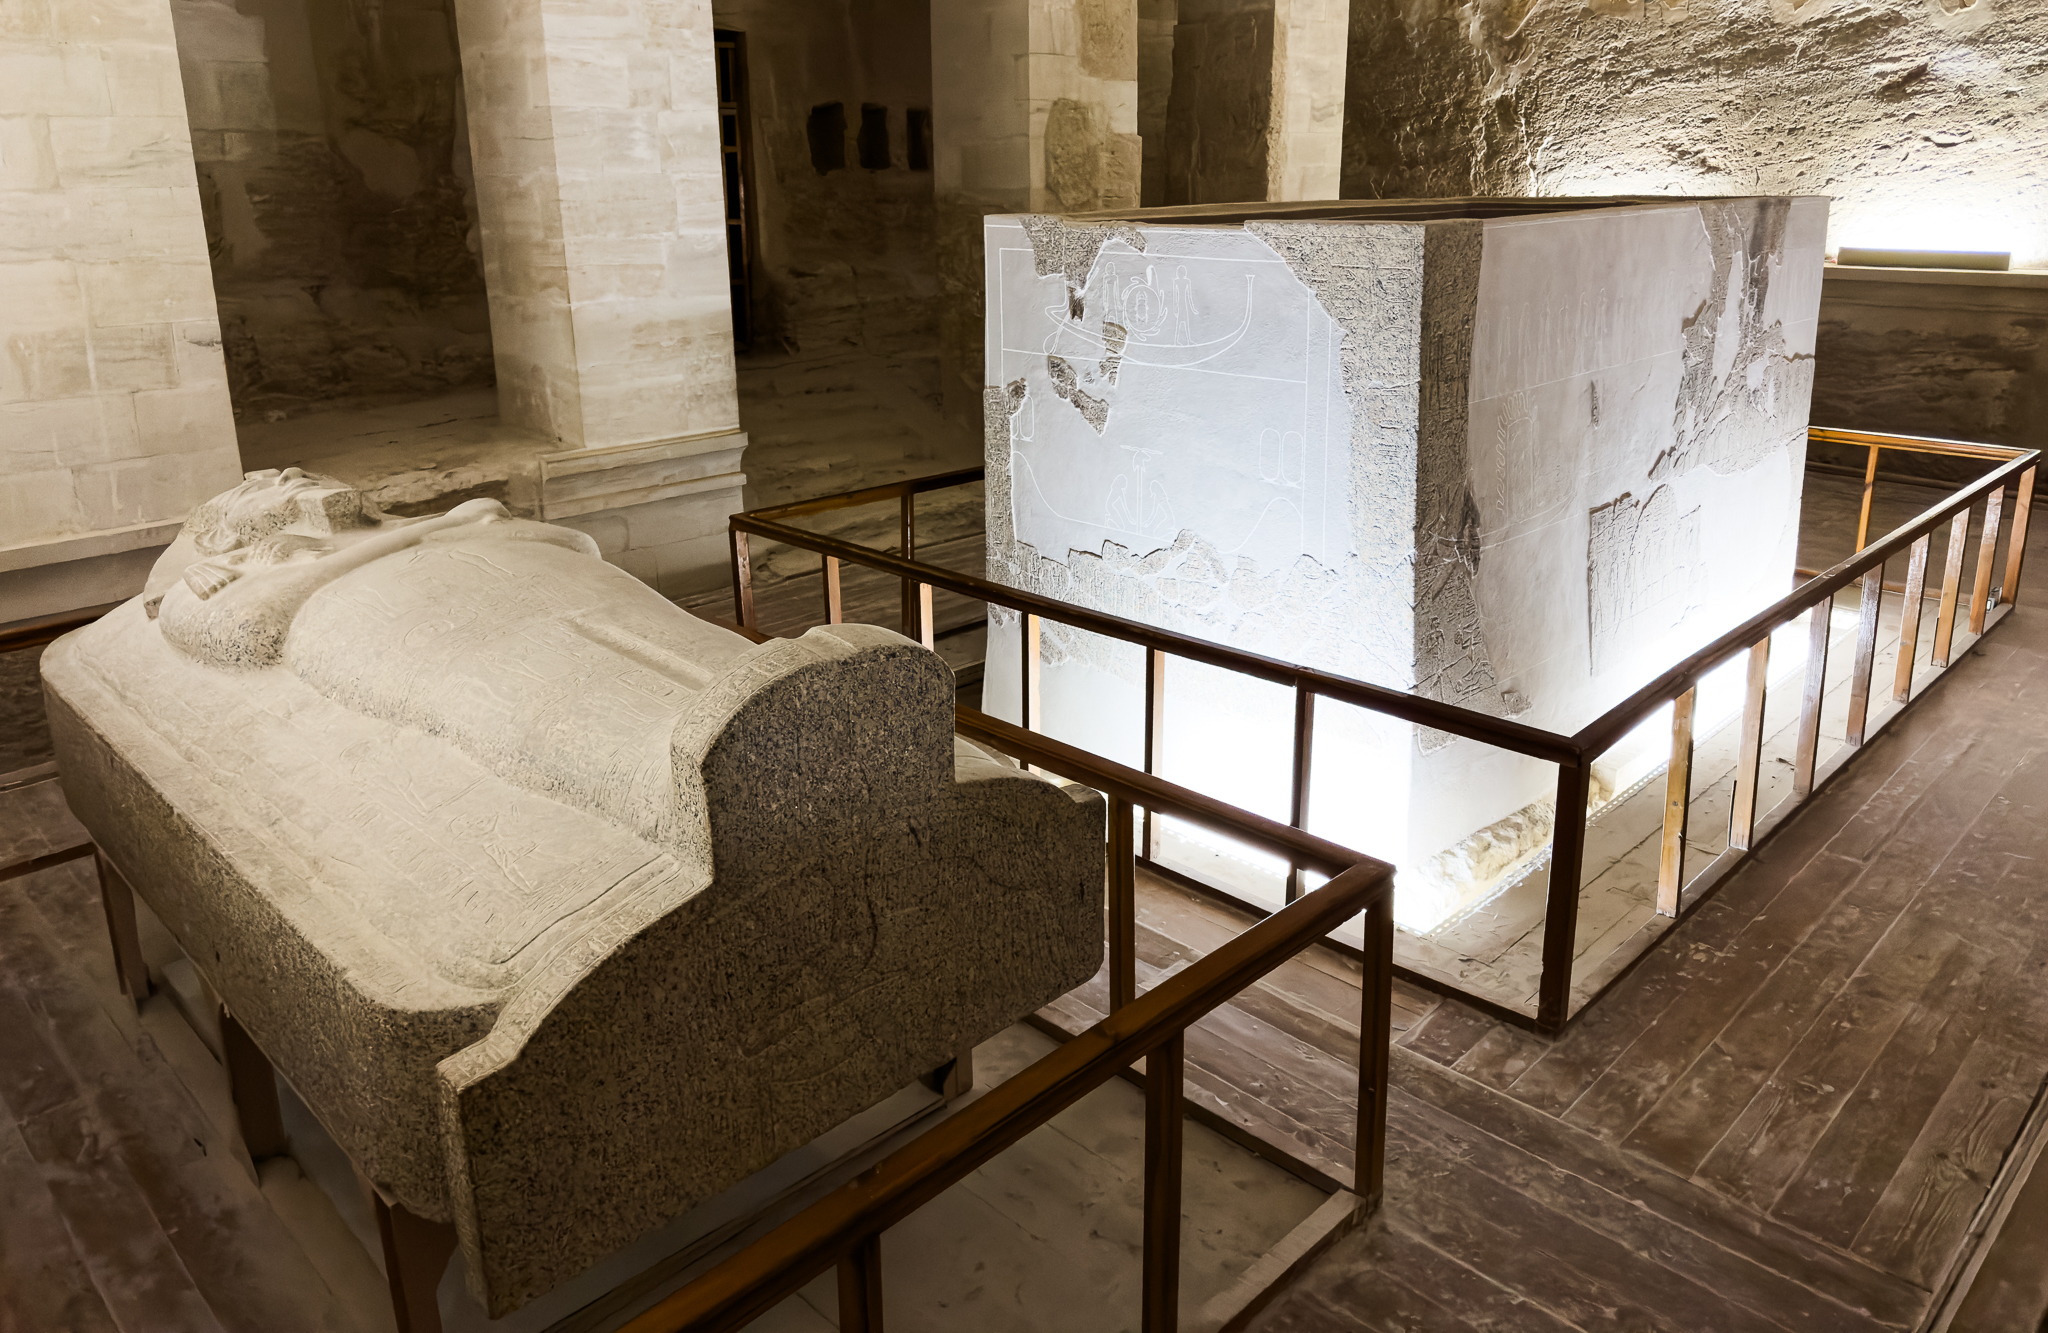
(114, 413)
(594, 132)
(1034, 110)
(1256, 110)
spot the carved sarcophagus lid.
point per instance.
(561, 908)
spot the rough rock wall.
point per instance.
(1220, 108)
(844, 254)
(1963, 359)
(1920, 117)
(333, 171)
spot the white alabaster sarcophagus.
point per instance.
(561, 908)
(1516, 455)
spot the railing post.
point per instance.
(1869, 493)
(1987, 556)
(2016, 545)
(742, 580)
(1909, 618)
(1123, 907)
(1803, 758)
(1029, 697)
(1164, 1069)
(1155, 735)
(1304, 746)
(1561, 911)
(1375, 1021)
(1677, 805)
(1865, 665)
(860, 1287)
(1749, 760)
(1951, 588)
(835, 606)
(909, 526)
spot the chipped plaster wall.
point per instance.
(333, 166)
(1922, 118)
(1035, 109)
(1535, 428)
(844, 256)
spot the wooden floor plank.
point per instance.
(1779, 1129)
(1914, 1228)
(1845, 1286)
(48, 1285)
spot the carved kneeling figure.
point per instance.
(562, 909)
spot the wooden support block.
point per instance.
(117, 901)
(1122, 924)
(415, 1255)
(253, 1085)
(1869, 493)
(1810, 699)
(1909, 619)
(1987, 557)
(925, 630)
(1165, 1067)
(1155, 736)
(1865, 664)
(1677, 805)
(1561, 908)
(742, 580)
(1304, 758)
(860, 1288)
(1376, 1016)
(1032, 628)
(1951, 588)
(835, 601)
(1749, 760)
(2016, 546)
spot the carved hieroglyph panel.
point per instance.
(1643, 569)
(1191, 386)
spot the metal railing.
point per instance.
(844, 1229)
(1573, 754)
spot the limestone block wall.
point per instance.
(842, 254)
(1920, 118)
(1257, 101)
(594, 135)
(1519, 462)
(114, 415)
(333, 164)
(1035, 107)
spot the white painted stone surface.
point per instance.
(1519, 464)
(114, 408)
(561, 908)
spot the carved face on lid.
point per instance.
(274, 517)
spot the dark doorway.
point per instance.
(733, 125)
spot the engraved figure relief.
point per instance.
(1643, 571)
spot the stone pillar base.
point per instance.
(656, 510)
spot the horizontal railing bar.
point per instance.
(757, 1278)
(48, 629)
(1912, 444)
(1494, 731)
(1618, 721)
(894, 490)
(1142, 789)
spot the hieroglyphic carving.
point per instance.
(1643, 569)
